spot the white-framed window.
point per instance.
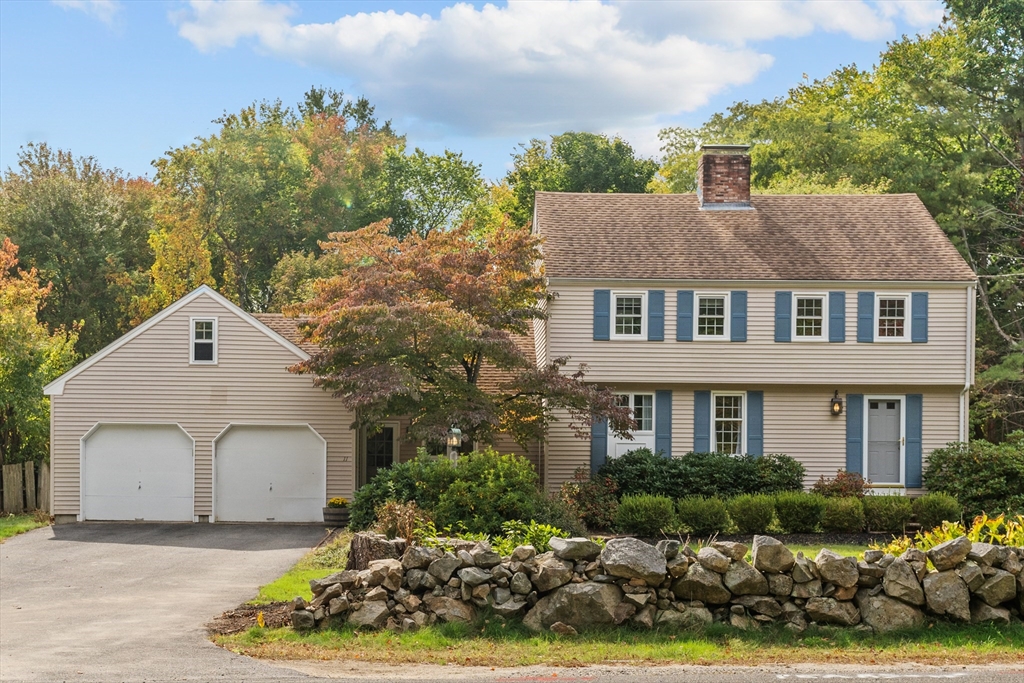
(629, 315)
(892, 317)
(729, 422)
(810, 317)
(711, 317)
(642, 406)
(203, 341)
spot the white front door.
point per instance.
(137, 472)
(643, 437)
(270, 474)
(885, 440)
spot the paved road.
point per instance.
(127, 602)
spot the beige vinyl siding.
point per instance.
(149, 379)
(761, 360)
(540, 340)
(797, 422)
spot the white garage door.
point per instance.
(137, 472)
(270, 474)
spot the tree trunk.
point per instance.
(366, 547)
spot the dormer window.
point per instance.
(204, 341)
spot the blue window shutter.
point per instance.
(663, 423)
(602, 314)
(912, 450)
(684, 315)
(919, 317)
(738, 304)
(701, 421)
(865, 317)
(755, 422)
(656, 315)
(598, 444)
(855, 433)
(783, 316)
(837, 316)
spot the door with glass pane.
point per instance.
(642, 406)
(884, 440)
(380, 451)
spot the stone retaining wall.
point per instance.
(580, 585)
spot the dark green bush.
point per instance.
(778, 473)
(887, 513)
(700, 515)
(642, 472)
(554, 511)
(982, 476)
(717, 475)
(752, 513)
(421, 480)
(799, 512)
(593, 498)
(843, 515)
(932, 509)
(645, 515)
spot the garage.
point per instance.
(137, 472)
(275, 473)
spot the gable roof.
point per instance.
(887, 237)
(56, 387)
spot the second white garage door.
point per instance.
(270, 474)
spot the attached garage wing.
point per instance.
(270, 474)
(137, 472)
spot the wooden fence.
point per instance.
(26, 487)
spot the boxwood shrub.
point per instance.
(645, 515)
(982, 476)
(932, 509)
(703, 516)
(798, 512)
(752, 513)
(887, 513)
(843, 515)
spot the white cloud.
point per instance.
(104, 10)
(539, 66)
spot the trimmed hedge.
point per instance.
(932, 509)
(887, 513)
(704, 516)
(752, 514)
(798, 512)
(645, 515)
(843, 515)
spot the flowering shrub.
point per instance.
(843, 485)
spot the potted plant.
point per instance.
(336, 512)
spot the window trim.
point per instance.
(192, 339)
(727, 330)
(907, 317)
(743, 420)
(902, 398)
(824, 336)
(643, 315)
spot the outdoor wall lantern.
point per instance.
(454, 441)
(837, 404)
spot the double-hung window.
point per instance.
(891, 312)
(712, 319)
(630, 311)
(204, 341)
(643, 410)
(729, 423)
(810, 317)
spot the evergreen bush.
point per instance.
(982, 476)
(932, 509)
(752, 513)
(703, 516)
(645, 515)
(887, 513)
(799, 512)
(843, 515)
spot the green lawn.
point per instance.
(491, 642)
(12, 525)
(316, 564)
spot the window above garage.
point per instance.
(204, 341)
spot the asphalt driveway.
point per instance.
(127, 602)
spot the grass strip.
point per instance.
(490, 642)
(12, 525)
(316, 564)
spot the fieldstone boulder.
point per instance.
(972, 575)
(686, 617)
(442, 568)
(804, 570)
(387, 573)
(302, 620)
(836, 569)
(371, 614)
(761, 604)
(669, 548)
(780, 584)
(808, 589)
(450, 609)
(511, 608)
(677, 566)
(418, 579)
(831, 611)
(713, 560)
(949, 554)
(551, 573)
(731, 549)
(575, 548)
(982, 613)
(883, 613)
(523, 553)
(474, 576)
(419, 557)
(633, 559)
(771, 556)
(644, 617)
(742, 579)
(337, 606)
(580, 605)
(946, 594)
(484, 557)
(998, 588)
(871, 569)
(520, 584)
(900, 582)
(986, 554)
(701, 584)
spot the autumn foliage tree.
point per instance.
(411, 326)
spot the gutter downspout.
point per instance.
(968, 366)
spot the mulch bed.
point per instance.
(242, 618)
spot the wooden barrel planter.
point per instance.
(336, 517)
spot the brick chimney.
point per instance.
(723, 177)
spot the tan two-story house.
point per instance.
(835, 329)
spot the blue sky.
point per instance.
(126, 81)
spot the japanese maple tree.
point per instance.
(409, 326)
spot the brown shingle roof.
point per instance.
(785, 237)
